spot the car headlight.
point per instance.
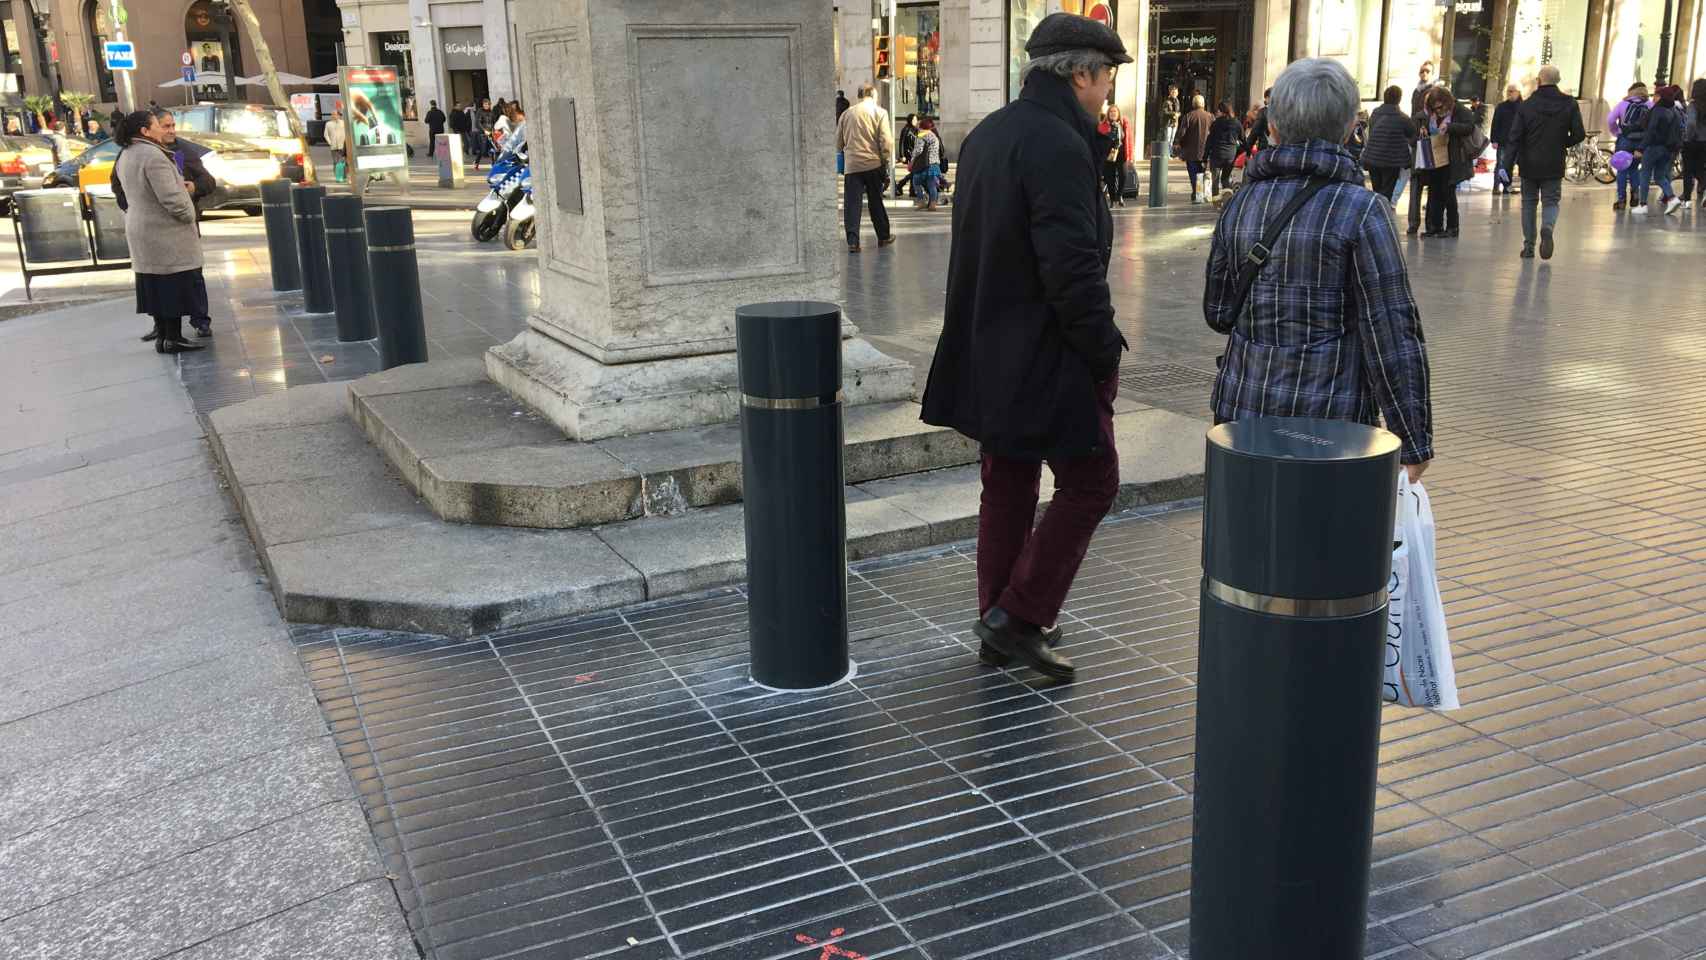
(214, 164)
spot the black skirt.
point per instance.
(171, 295)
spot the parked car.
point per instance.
(263, 126)
(238, 168)
(23, 162)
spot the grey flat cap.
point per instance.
(1060, 32)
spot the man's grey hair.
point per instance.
(867, 90)
(1549, 75)
(1314, 99)
(1066, 63)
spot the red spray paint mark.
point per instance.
(830, 950)
(586, 678)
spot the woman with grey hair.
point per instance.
(1306, 278)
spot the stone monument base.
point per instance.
(589, 400)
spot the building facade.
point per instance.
(958, 60)
(56, 45)
(453, 53)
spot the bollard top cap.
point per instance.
(1303, 438)
(789, 310)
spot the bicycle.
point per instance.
(1586, 159)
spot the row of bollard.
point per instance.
(356, 262)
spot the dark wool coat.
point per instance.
(1546, 125)
(1028, 326)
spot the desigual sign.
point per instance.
(392, 46)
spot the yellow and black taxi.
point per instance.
(237, 167)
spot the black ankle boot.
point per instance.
(172, 337)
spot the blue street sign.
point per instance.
(120, 54)
(189, 74)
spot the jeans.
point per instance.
(1421, 181)
(1545, 195)
(1626, 180)
(1507, 159)
(1028, 572)
(860, 187)
(1196, 170)
(1655, 168)
(1111, 174)
(1385, 179)
(1222, 174)
(1693, 168)
(1398, 190)
(928, 178)
(1442, 200)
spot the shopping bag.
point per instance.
(1419, 670)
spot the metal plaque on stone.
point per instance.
(566, 155)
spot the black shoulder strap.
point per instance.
(1262, 251)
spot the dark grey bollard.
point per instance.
(346, 256)
(306, 199)
(396, 280)
(281, 235)
(789, 355)
(1297, 549)
(1158, 174)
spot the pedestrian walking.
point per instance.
(435, 120)
(1170, 113)
(841, 104)
(337, 139)
(1546, 126)
(903, 156)
(1628, 124)
(926, 162)
(1257, 138)
(1191, 144)
(1113, 141)
(1447, 116)
(1223, 139)
(1504, 116)
(1324, 324)
(1029, 354)
(160, 217)
(1662, 142)
(459, 125)
(1694, 143)
(1390, 147)
(863, 138)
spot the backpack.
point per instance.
(1635, 118)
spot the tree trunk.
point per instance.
(263, 53)
(1499, 63)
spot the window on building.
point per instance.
(1353, 32)
(1647, 39)
(14, 55)
(1471, 46)
(1022, 17)
(1563, 41)
(918, 38)
(100, 31)
(392, 49)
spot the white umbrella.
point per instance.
(205, 80)
(325, 78)
(284, 80)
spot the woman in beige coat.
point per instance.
(159, 219)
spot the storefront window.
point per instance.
(1653, 12)
(1564, 27)
(1022, 18)
(918, 36)
(1471, 45)
(1351, 32)
(392, 49)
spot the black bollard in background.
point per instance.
(789, 355)
(396, 280)
(1158, 174)
(346, 255)
(1297, 549)
(306, 200)
(281, 235)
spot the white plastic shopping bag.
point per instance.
(1419, 672)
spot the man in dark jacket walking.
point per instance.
(435, 125)
(1504, 117)
(1029, 354)
(1547, 125)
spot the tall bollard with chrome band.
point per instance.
(1297, 549)
(281, 235)
(305, 200)
(396, 279)
(346, 254)
(1158, 173)
(789, 357)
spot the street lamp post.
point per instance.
(1661, 74)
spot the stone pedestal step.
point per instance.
(345, 542)
(477, 455)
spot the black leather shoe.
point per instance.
(991, 657)
(1450, 234)
(203, 331)
(1013, 637)
(1545, 243)
(165, 345)
(150, 336)
(1527, 251)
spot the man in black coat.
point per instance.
(1547, 125)
(435, 125)
(1028, 359)
(1504, 117)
